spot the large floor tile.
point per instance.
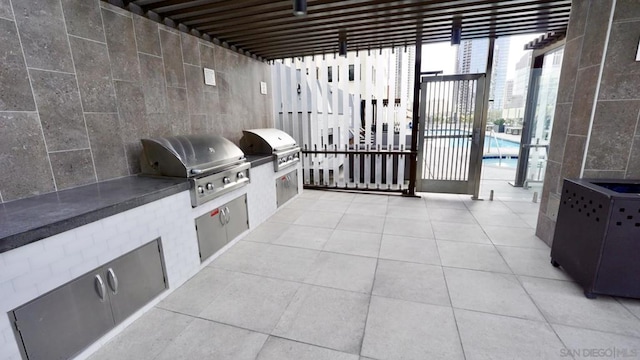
(632, 305)
(563, 302)
(443, 201)
(471, 256)
(459, 232)
(371, 198)
(146, 337)
(204, 339)
(252, 302)
(346, 272)
(197, 293)
(506, 219)
(354, 243)
(451, 215)
(409, 202)
(312, 194)
(403, 248)
(366, 209)
(302, 203)
(283, 349)
(281, 262)
(402, 212)
(597, 343)
(411, 282)
(337, 196)
(531, 262)
(495, 337)
(304, 236)
(266, 232)
(408, 227)
(319, 219)
(371, 224)
(398, 329)
(325, 317)
(509, 236)
(286, 215)
(331, 206)
(490, 292)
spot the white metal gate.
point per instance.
(452, 133)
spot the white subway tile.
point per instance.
(14, 269)
(65, 264)
(31, 278)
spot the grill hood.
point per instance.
(188, 155)
(266, 141)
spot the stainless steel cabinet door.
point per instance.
(134, 279)
(63, 322)
(238, 220)
(212, 235)
(286, 187)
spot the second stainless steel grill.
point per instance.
(213, 164)
(285, 151)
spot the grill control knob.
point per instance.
(226, 180)
(240, 175)
(290, 158)
(209, 186)
(296, 155)
(200, 190)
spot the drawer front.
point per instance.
(286, 187)
(212, 235)
(238, 218)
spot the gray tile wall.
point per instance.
(613, 150)
(82, 81)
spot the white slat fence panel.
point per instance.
(313, 144)
(379, 91)
(334, 122)
(402, 116)
(295, 120)
(391, 108)
(304, 66)
(324, 119)
(367, 74)
(344, 118)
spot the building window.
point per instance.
(352, 72)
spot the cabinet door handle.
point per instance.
(228, 214)
(223, 217)
(100, 287)
(112, 280)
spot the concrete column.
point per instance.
(595, 132)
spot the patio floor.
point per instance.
(353, 276)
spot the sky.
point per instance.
(442, 56)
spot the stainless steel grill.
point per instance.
(285, 151)
(213, 164)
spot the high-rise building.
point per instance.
(472, 58)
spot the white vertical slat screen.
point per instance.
(324, 90)
(293, 85)
(391, 107)
(326, 117)
(380, 87)
(402, 114)
(334, 123)
(305, 112)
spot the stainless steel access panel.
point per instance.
(61, 323)
(286, 187)
(216, 228)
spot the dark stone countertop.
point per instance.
(28, 220)
(257, 160)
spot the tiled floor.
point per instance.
(354, 276)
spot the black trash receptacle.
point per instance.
(597, 236)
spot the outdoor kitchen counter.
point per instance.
(35, 218)
(257, 160)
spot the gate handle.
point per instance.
(112, 280)
(100, 287)
(227, 214)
